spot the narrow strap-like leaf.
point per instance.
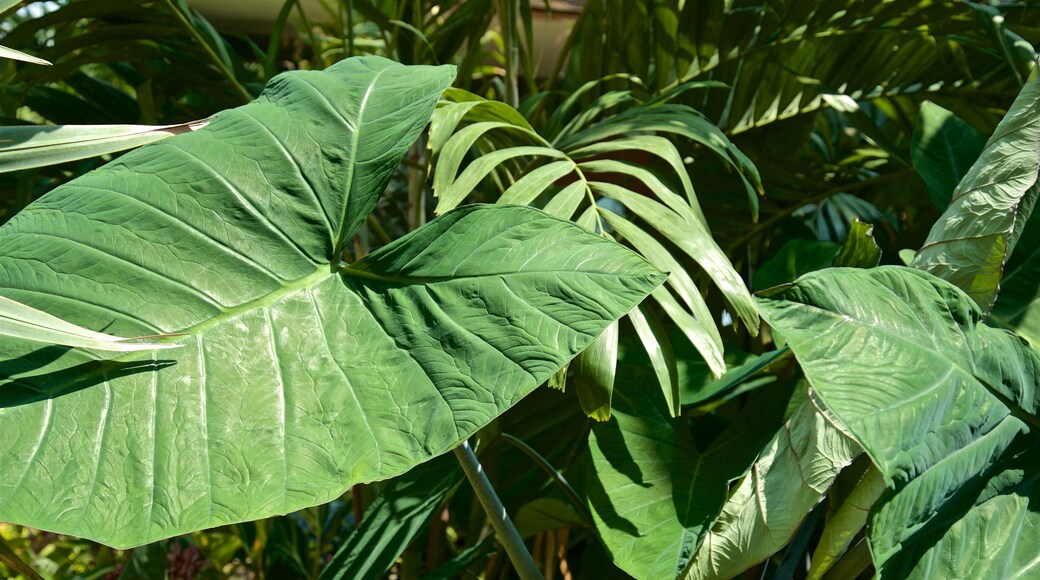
(20, 321)
(464, 184)
(695, 242)
(594, 371)
(19, 55)
(655, 340)
(25, 147)
(527, 189)
(566, 202)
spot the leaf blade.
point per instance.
(38, 146)
(974, 237)
(954, 378)
(297, 377)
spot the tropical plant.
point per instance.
(257, 210)
(879, 422)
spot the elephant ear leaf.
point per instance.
(973, 239)
(298, 375)
(935, 397)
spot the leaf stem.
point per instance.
(554, 473)
(241, 90)
(853, 564)
(496, 512)
(507, 16)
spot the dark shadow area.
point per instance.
(37, 359)
(26, 389)
(598, 497)
(629, 399)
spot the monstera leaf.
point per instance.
(937, 399)
(298, 374)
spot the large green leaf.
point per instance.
(904, 362)
(788, 479)
(656, 494)
(973, 239)
(620, 158)
(988, 530)
(299, 375)
(943, 149)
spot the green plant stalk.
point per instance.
(350, 27)
(554, 473)
(561, 59)
(496, 512)
(13, 562)
(419, 11)
(507, 16)
(417, 184)
(318, 549)
(230, 76)
(846, 523)
(316, 54)
(853, 564)
(274, 44)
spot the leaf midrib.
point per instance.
(355, 140)
(848, 319)
(1014, 410)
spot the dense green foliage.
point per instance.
(773, 306)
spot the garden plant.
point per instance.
(736, 288)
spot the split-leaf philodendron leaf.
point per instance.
(299, 375)
(934, 396)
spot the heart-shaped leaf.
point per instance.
(933, 396)
(655, 494)
(299, 375)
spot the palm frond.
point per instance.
(619, 176)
